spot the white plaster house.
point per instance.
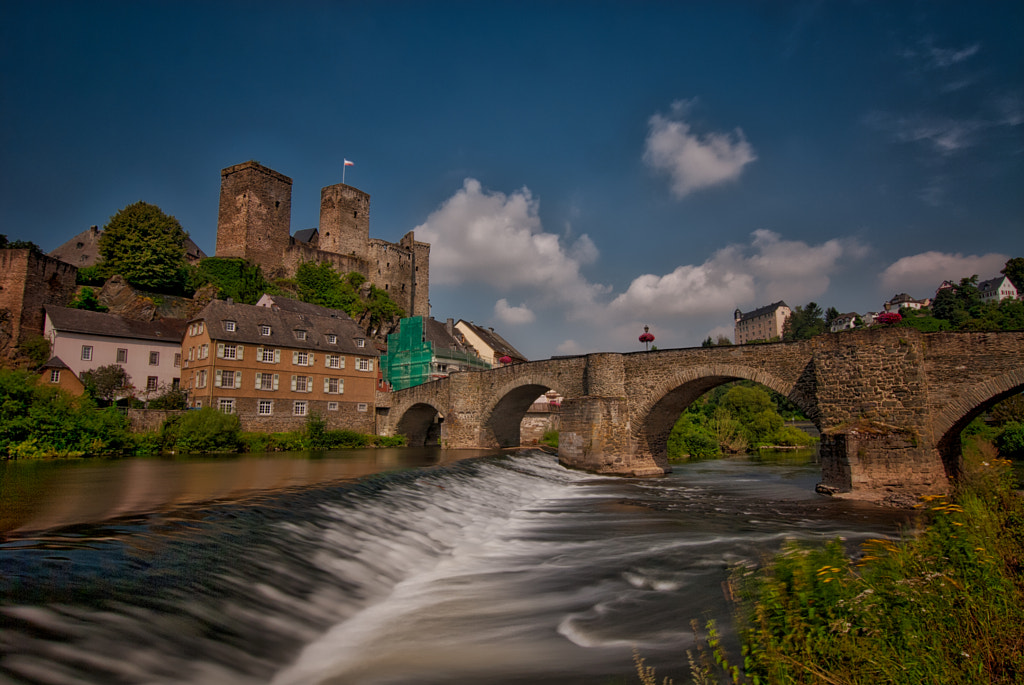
(996, 289)
(764, 323)
(150, 351)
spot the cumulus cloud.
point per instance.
(512, 315)
(927, 270)
(483, 237)
(570, 347)
(693, 161)
(767, 269)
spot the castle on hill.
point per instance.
(254, 223)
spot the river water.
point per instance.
(506, 569)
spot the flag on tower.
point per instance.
(348, 163)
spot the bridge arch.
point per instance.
(967, 406)
(663, 405)
(420, 424)
(503, 414)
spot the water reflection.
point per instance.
(42, 495)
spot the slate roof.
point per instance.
(113, 326)
(437, 333)
(284, 319)
(306, 234)
(991, 285)
(55, 363)
(497, 343)
(761, 311)
(89, 254)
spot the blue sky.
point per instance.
(581, 169)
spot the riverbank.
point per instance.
(943, 606)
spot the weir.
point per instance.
(889, 402)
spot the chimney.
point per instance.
(450, 326)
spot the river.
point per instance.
(504, 569)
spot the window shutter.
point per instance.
(343, 361)
(341, 385)
(277, 356)
(276, 378)
(259, 354)
(327, 385)
(370, 362)
(295, 358)
(238, 379)
(220, 350)
(259, 377)
(293, 383)
(216, 380)
(238, 352)
(309, 384)
(311, 359)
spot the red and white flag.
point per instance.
(348, 163)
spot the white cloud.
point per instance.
(489, 238)
(944, 135)
(924, 272)
(693, 161)
(766, 270)
(512, 315)
(570, 347)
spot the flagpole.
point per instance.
(343, 167)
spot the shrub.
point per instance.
(1010, 440)
(389, 440)
(201, 430)
(550, 438)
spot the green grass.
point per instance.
(943, 606)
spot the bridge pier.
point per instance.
(878, 462)
(595, 432)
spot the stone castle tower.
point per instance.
(254, 223)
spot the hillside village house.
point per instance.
(81, 340)
(763, 323)
(903, 300)
(489, 345)
(996, 289)
(844, 322)
(278, 362)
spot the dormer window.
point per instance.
(264, 330)
(360, 342)
(229, 326)
(300, 334)
(332, 339)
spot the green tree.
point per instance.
(1014, 270)
(235, 278)
(958, 304)
(831, 314)
(146, 247)
(37, 349)
(804, 323)
(86, 299)
(202, 430)
(6, 244)
(107, 383)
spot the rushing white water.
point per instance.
(501, 570)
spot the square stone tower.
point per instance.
(254, 219)
(345, 221)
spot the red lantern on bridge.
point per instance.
(647, 337)
(506, 359)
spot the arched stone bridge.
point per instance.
(890, 403)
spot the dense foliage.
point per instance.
(39, 420)
(86, 299)
(146, 247)
(37, 349)
(804, 322)
(202, 430)
(321, 284)
(6, 244)
(106, 384)
(235, 278)
(733, 418)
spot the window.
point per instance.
(191, 353)
(175, 383)
(268, 355)
(264, 329)
(332, 339)
(204, 351)
(151, 383)
(228, 379)
(302, 358)
(301, 384)
(177, 359)
(266, 381)
(334, 386)
(226, 405)
(198, 404)
(360, 342)
(122, 355)
(201, 378)
(229, 351)
(86, 353)
(334, 361)
(55, 375)
(266, 407)
(300, 335)
(229, 326)
(362, 406)
(300, 408)
(154, 359)
(332, 406)
(364, 365)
